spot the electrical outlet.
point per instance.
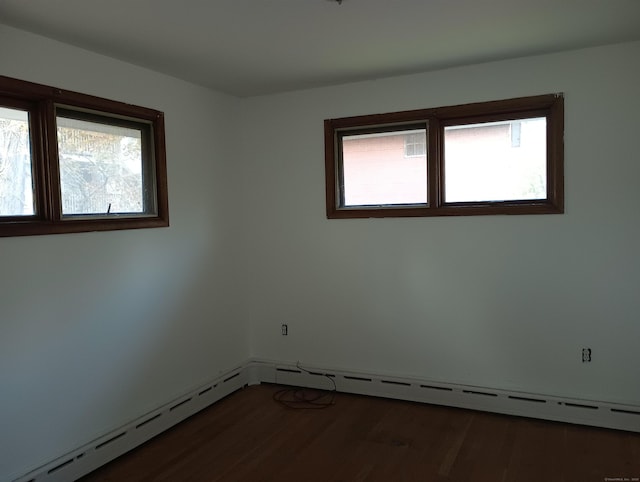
(586, 355)
(285, 329)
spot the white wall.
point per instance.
(497, 301)
(97, 329)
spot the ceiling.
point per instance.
(255, 47)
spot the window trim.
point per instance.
(41, 101)
(550, 106)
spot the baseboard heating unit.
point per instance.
(90, 456)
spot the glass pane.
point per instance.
(100, 168)
(385, 168)
(496, 161)
(16, 179)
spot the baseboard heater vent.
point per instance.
(58, 467)
(527, 399)
(360, 379)
(393, 382)
(431, 387)
(630, 412)
(231, 377)
(180, 404)
(142, 424)
(580, 405)
(318, 374)
(205, 391)
(111, 440)
(485, 394)
(89, 457)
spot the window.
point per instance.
(71, 162)
(500, 157)
(415, 144)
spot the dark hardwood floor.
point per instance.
(250, 437)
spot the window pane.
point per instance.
(101, 168)
(16, 180)
(496, 161)
(385, 168)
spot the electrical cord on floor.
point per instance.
(299, 398)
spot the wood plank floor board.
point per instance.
(609, 453)
(481, 456)
(250, 437)
(537, 453)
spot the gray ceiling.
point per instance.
(253, 47)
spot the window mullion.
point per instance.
(51, 186)
(434, 163)
(38, 131)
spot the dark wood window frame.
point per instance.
(42, 103)
(550, 106)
